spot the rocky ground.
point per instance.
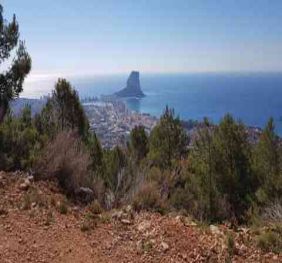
(37, 224)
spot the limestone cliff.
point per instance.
(132, 88)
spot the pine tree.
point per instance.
(116, 162)
(267, 165)
(168, 140)
(64, 111)
(202, 157)
(232, 164)
(139, 143)
(11, 79)
(96, 154)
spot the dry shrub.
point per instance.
(148, 197)
(66, 159)
(273, 212)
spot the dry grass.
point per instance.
(273, 212)
(148, 198)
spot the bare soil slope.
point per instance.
(37, 225)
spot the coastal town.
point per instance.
(112, 121)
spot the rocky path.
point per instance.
(37, 225)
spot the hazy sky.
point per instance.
(113, 36)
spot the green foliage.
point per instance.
(19, 142)
(230, 246)
(11, 80)
(203, 163)
(168, 140)
(96, 154)
(46, 122)
(115, 163)
(267, 166)
(63, 111)
(139, 143)
(221, 161)
(271, 240)
(232, 165)
(95, 207)
(63, 207)
(186, 194)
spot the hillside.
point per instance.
(38, 224)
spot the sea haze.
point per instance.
(253, 98)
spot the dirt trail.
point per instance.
(34, 229)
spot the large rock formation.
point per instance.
(132, 88)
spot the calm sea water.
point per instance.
(253, 98)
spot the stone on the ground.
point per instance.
(143, 226)
(85, 194)
(165, 246)
(25, 185)
(125, 221)
(215, 230)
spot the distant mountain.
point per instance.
(132, 88)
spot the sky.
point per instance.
(103, 37)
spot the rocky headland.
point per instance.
(133, 88)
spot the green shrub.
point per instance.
(19, 142)
(271, 240)
(95, 208)
(230, 245)
(88, 223)
(63, 208)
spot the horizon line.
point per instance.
(41, 76)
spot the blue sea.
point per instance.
(252, 98)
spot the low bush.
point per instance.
(95, 208)
(230, 246)
(273, 212)
(63, 207)
(66, 159)
(271, 240)
(148, 198)
(33, 197)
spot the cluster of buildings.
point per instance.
(112, 121)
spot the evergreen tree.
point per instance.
(46, 121)
(267, 165)
(11, 80)
(232, 164)
(70, 112)
(96, 154)
(115, 162)
(168, 140)
(64, 111)
(202, 157)
(139, 143)
(19, 141)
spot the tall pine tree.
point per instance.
(168, 140)
(11, 79)
(267, 165)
